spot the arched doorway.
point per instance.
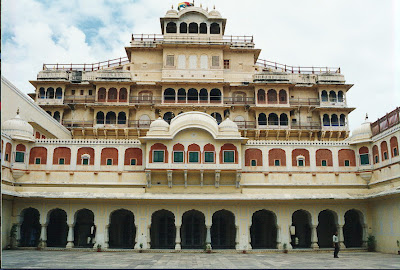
(353, 229)
(326, 228)
(162, 230)
(30, 228)
(223, 230)
(301, 221)
(263, 230)
(193, 231)
(84, 229)
(57, 228)
(122, 230)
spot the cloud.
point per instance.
(360, 36)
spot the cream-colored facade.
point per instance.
(193, 140)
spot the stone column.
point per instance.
(70, 243)
(148, 237)
(364, 237)
(178, 238)
(106, 237)
(136, 244)
(208, 234)
(314, 238)
(341, 238)
(278, 237)
(18, 234)
(43, 235)
(237, 238)
(249, 238)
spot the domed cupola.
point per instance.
(362, 134)
(215, 13)
(171, 12)
(18, 129)
(228, 126)
(159, 125)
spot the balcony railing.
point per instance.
(88, 67)
(239, 100)
(74, 124)
(304, 101)
(144, 100)
(145, 124)
(386, 122)
(79, 99)
(309, 125)
(293, 69)
(246, 124)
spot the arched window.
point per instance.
(144, 121)
(334, 120)
(273, 119)
(215, 96)
(58, 93)
(109, 156)
(326, 121)
(203, 95)
(112, 95)
(324, 157)
(253, 157)
(332, 96)
(123, 95)
(261, 96)
(203, 28)
(272, 97)
(181, 95)
(282, 97)
(324, 96)
(283, 119)
(145, 96)
(169, 95)
(133, 156)
(111, 118)
(57, 116)
(217, 117)
(375, 154)
(262, 119)
(101, 96)
(171, 27)
(364, 155)
(340, 96)
(100, 118)
(277, 157)
(168, 116)
(38, 155)
(300, 157)
(342, 122)
(50, 92)
(62, 156)
(42, 93)
(193, 28)
(183, 28)
(85, 156)
(20, 153)
(214, 28)
(394, 146)
(193, 96)
(384, 151)
(121, 118)
(347, 157)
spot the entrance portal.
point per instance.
(30, 228)
(223, 230)
(263, 230)
(122, 230)
(84, 229)
(326, 228)
(57, 229)
(162, 230)
(193, 230)
(353, 229)
(301, 222)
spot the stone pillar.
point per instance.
(237, 238)
(314, 238)
(178, 238)
(18, 234)
(70, 243)
(364, 237)
(341, 238)
(148, 237)
(208, 234)
(278, 237)
(49, 160)
(43, 235)
(249, 239)
(106, 237)
(136, 240)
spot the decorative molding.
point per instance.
(296, 143)
(89, 141)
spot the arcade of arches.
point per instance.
(192, 229)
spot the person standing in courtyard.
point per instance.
(335, 239)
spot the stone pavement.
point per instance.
(300, 260)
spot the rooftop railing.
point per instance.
(293, 69)
(386, 122)
(304, 101)
(191, 38)
(88, 67)
(79, 99)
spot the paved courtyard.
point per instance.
(303, 260)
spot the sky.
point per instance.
(362, 37)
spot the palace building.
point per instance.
(192, 140)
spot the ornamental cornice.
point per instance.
(296, 143)
(88, 141)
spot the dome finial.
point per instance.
(18, 111)
(366, 116)
(201, 5)
(214, 6)
(172, 7)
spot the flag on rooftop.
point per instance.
(184, 4)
